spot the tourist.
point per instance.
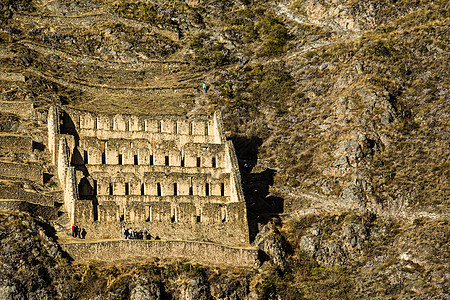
(83, 233)
(145, 233)
(123, 233)
(73, 230)
(130, 233)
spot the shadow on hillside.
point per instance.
(261, 207)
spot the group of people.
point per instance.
(78, 232)
(130, 234)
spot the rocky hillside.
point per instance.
(339, 111)
(327, 256)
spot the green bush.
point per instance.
(274, 36)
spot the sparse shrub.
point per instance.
(274, 36)
(208, 52)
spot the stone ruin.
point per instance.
(175, 176)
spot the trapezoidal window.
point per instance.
(199, 162)
(174, 217)
(158, 189)
(127, 188)
(122, 215)
(166, 160)
(199, 216)
(142, 189)
(120, 159)
(213, 162)
(191, 190)
(103, 148)
(111, 189)
(182, 161)
(175, 189)
(86, 157)
(222, 189)
(95, 187)
(224, 215)
(148, 214)
(207, 189)
(136, 161)
(151, 160)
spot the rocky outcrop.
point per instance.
(143, 288)
(273, 245)
(32, 264)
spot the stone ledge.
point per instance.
(36, 210)
(203, 253)
(30, 172)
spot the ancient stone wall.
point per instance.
(16, 144)
(236, 193)
(23, 109)
(204, 253)
(12, 192)
(24, 171)
(66, 175)
(198, 129)
(223, 223)
(53, 130)
(37, 210)
(176, 176)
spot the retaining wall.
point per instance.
(10, 192)
(217, 223)
(46, 212)
(29, 172)
(16, 144)
(23, 109)
(204, 253)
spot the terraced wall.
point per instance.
(204, 253)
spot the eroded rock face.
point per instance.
(230, 289)
(272, 243)
(31, 262)
(338, 247)
(143, 288)
(195, 289)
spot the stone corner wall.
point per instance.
(53, 130)
(67, 178)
